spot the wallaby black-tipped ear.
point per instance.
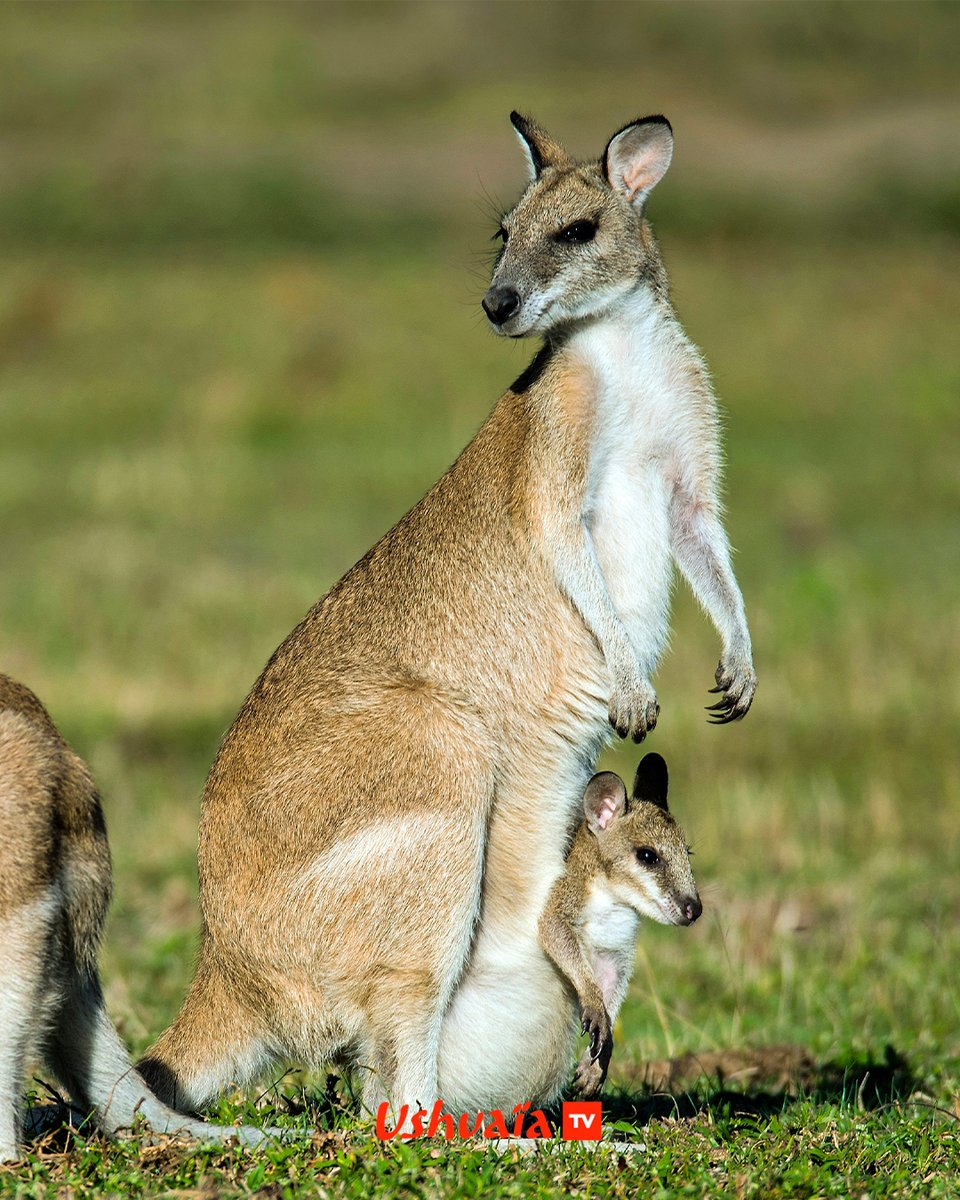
(540, 148)
(650, 781)
(604, 800)
(637, 157)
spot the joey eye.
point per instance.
(579, 232)
(501, 234)
(648, 856)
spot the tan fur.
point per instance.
(603, 879)
(456, 683)
(55, 881)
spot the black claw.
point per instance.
(718, 688)
(725, 718)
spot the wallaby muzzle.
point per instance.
(501, 303)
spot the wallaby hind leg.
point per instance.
(213, 1042)
(24, 954)
(399, 1062)
(413, 988)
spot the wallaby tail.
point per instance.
(214, 1041)
(93, 1064)
(83, 1046)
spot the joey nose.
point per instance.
(501, 303)
(692, 908)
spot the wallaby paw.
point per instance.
(592, 1067)
(633, 709)
(737, 680)
(595, 1022)
(590, 1075)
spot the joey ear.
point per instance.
(650, 781)
(540, 148)
(637, 157)
(604, 800)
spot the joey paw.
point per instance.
(595, 1022)
(589, 1076)
(592, 1067)
(737, 681)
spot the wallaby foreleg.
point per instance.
(702, 553)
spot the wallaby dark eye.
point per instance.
(648, 856)
(501, 234)
(579, 232)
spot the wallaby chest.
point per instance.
(644, 418)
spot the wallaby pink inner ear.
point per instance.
(642, 176)
(604, 800)
(637, 158)
(607, 811)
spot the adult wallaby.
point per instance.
(431, 724)
(54, 890)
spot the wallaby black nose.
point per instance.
(692, 908)
(501, 303)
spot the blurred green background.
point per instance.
(243, 249)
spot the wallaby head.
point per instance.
(641, 847)
(577, 240)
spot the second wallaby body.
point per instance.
(391, 807)
(508, 1040)
(55, 882)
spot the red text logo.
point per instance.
(581, 1120)
(581, 1123)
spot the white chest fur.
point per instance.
(641, 361)
(609, 930)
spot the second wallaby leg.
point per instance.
(24, 949)
(55, 880)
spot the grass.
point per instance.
(239, 337)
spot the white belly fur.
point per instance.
(648, 416)
(508, 1035)
(631, 536)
